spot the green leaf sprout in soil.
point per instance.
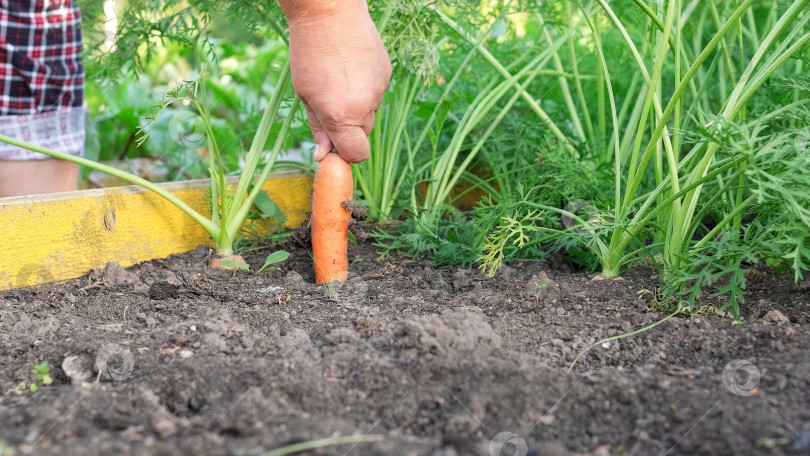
(42, 374)
(329, 289)
(42, 377)
(274, 258)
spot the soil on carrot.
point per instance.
(171, 357)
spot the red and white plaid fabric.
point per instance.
(41, 76)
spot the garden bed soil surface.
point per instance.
(173, 358)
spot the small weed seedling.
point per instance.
(274, 258)
(330, 289)
(42, 378)
(42, 371)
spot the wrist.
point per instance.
(298, 11)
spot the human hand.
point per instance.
(340, 71)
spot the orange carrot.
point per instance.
(330, 220)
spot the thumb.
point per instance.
(351, 143)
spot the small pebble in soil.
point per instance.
(78, 368)
(269, 289)
(293, 278)
(164, 428)
(775, 317)
(461, 279)
(114, 274)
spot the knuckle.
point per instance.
(336, 116)
(347, 112)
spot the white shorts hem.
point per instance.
(61, 130)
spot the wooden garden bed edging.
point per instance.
(60, 236)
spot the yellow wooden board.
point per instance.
(56, 237)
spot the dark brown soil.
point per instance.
(170, 357)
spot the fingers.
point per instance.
(351, 141)
(323, 145)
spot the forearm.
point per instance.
(306, 10)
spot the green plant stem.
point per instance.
(533, 104)
(605, 72)
(621, 336)
(321, 443)
(377, 177)
(740, 96)
(676, 140)
(641, 219)
(728, 219)
(238, 219)
(628, 257)
(432, 123)
(723, 46)
(649, 96)
(719, 194)
(578, 82)
(664, 118)
(212, 142)
(258, 143)
(564, 88)
(619, 238)
(438, 191)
